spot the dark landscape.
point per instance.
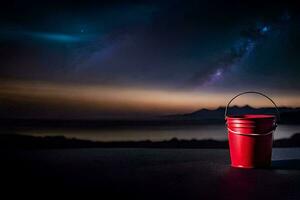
(288, 115)
(10, 138)
(12, 141)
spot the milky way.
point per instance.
(242, 48)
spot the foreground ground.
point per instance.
(147, 174)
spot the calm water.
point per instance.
(217, 132)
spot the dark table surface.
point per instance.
(148, 174)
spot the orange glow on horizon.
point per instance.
(126, 99)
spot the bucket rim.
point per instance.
(251, 116)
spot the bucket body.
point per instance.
(250, 140)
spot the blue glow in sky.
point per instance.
(16, 35)
(265, 29)
(58, 37)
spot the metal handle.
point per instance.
(253, 92)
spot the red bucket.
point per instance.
(251, 137)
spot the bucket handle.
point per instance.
(253, 92)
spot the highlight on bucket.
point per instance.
(250, 136)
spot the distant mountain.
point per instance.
(199, 117)
(287, 115)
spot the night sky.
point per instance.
(95, 59)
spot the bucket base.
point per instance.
(250, 167)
